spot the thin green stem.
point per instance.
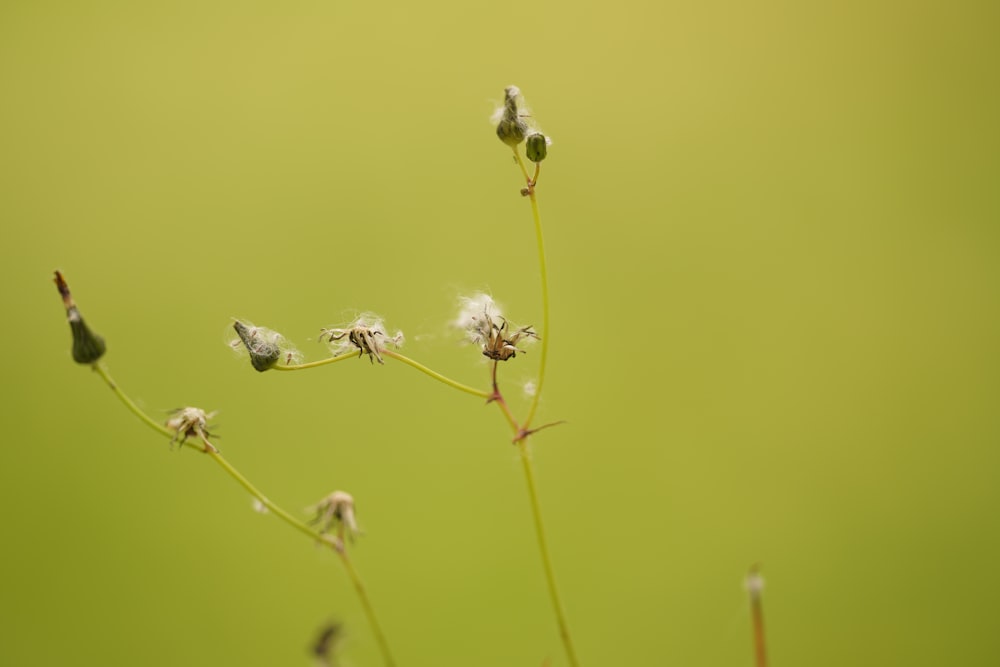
(544, 276)
(521, 433)
(315, 364)
(132, 407)
(278, 511)
(366, 604)
(437, 376)
(543, 548)
(520, 163)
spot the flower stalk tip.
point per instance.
(88, 347)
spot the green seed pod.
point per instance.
(263, 353)
(88, 347)
(537, 147)
(511, 129)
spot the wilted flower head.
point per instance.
(365, 334)
(336, 512)
(480, 317)
(88, 347)
(191, 422)
(266, 347)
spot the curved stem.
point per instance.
(100, 369)
(315, 364)
(543, 548)
(520, 163)
(278, 511)
(437, 376)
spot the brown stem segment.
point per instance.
(755, 584)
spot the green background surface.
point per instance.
(773, 242)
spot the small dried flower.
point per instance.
(191, 422)
(484, 325)
(325, 645)
(266, 347)
(88, 347)
(365, 334)
(336, 512)
(511, 127)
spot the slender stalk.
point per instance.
(366, 604)
(315, 364)
(543, 548)
(434, 374)
(544, 277)
(278, 511)
(522, 431)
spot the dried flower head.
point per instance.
(191, 422)
(88, 347)
(484, 325)
(267, 347)
(365, 334)
(336, 513)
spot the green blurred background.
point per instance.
(773, 242)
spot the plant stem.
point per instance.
(278, 511)
(437, 376)
(367, 606)
(544, 276)
(536, 510)
(522, 431)
(314, 364)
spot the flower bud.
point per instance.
(511, 129)
(537, 146)
(263, 353)
(88, 347)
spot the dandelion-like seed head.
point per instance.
(366, 334)
(190, 422)
(336, 513)
(480, 318)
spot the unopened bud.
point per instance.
(88, 347)
(511, 129)
(263, 353)
(537, 146)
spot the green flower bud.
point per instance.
(263, 353)
(88, 347)
(537, 147)
(511, 129)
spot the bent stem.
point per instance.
(314, 364)
(434, 374)
(278, 511)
